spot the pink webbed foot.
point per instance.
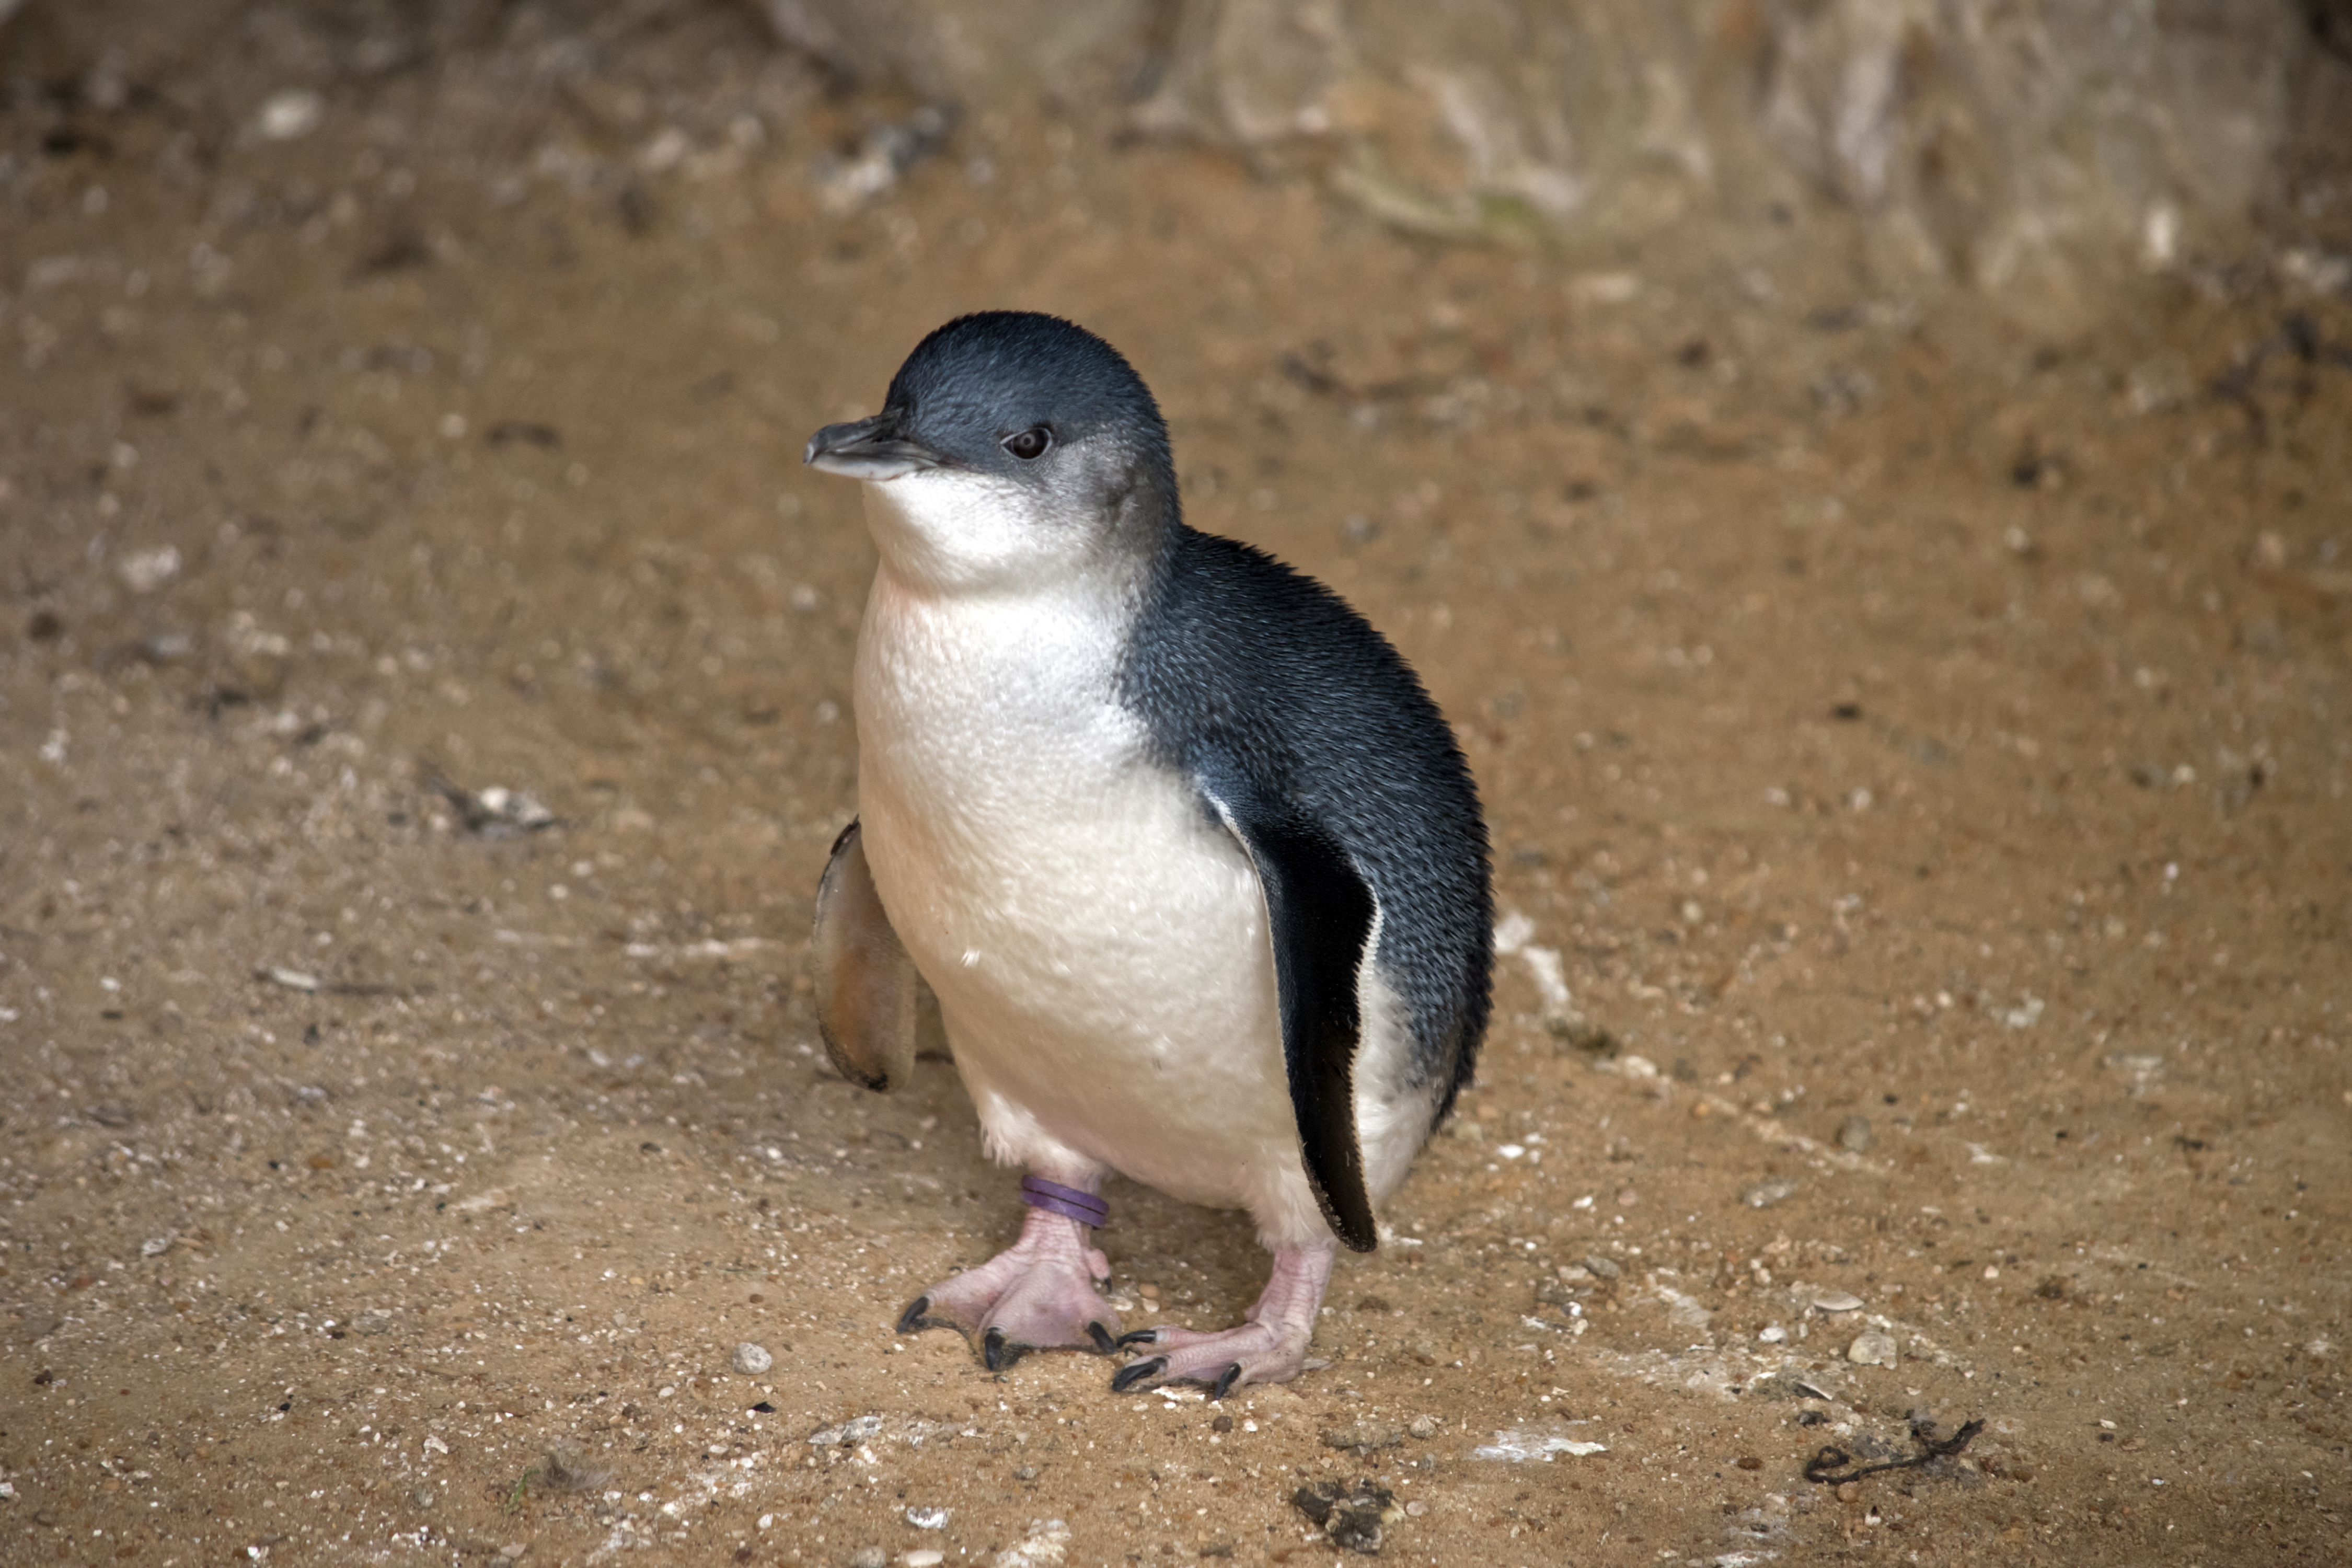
(1269, 1347)
(1037, 1294)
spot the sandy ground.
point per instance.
(1917, 752)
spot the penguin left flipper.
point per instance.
(866, 995)
(1319, 912)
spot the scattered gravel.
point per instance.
(855, 1430)
(1042, 1547)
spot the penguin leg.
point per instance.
(1037, 1294)
(1269, 1347)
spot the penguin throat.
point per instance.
(952, 533)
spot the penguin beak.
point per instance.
(877, 448)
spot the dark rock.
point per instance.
(1351, 1516)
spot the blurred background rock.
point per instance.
(2039, 151)
(2033, 150)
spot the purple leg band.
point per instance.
(1068, 1202)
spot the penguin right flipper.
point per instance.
(1319, 912)
(864, 981)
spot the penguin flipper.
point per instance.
(1319, 912)
(864, 981)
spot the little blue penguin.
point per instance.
(1189, 858)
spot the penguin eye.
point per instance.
(1031, 444)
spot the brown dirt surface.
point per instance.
(1921, 749)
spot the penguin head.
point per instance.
(1011, 443)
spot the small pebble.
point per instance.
(292, 114)
(1771, 1334)
(1364, 1433)
(144, 571)
(1627, 1197)
(752, 1359)
(513, 1550)
(1837, 1300)
(929, 1557)
(1764, 1194)
(1025, 1473)
(422, 1497)
(1853, 1137)
(1222, 1424)
(869, 1557)
(1848, 1490)
(928, 1517)
(1602, 1266)
(1873, 1349)
(1423, 1426)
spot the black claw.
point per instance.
(1104, 1343)
(1136, 1372)
(911, 1320)
(1139, 1337)
(997, 1352)
(1225, 1381)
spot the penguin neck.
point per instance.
(966, 596)
(950, 536)
(967, 695)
